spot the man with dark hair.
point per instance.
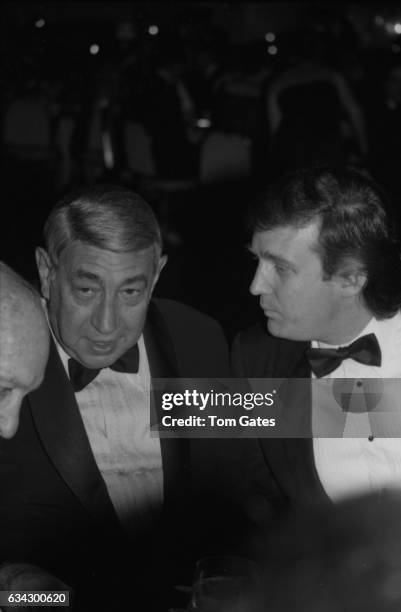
(87, 492)
(329, 283)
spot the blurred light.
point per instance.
(389, 27)
(270, 37)
(203, 122)
(94, 49)
(108, 155)
(379, 21)
(397, 28)
(153, 30)
(395, 48)
(39, 23)
(272, 49)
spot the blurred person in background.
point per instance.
(169, 116)
(312, 113)
(384, 125)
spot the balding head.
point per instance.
(24, 346)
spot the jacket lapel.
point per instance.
(60, 427)
(175, 451)
(292, 458)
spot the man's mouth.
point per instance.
(102, 347)
(267, 308)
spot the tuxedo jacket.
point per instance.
(55, 510)
(290, 479)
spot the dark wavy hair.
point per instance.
(355, 224)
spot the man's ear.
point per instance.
(45, 269)
(162, 262)
(351, 279)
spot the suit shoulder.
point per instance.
(255, 351)
(200, 344)
(254, 336)
(258, 335)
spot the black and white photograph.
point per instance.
(200, 295)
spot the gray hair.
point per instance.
(105, 216)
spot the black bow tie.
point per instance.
(366, 350)
(80, 375)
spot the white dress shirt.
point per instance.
(353, 465)
(115, 409)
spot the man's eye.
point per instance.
(86, 291)
(281, 269)
(131, 292)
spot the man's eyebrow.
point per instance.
(278, 259)
(135, 279)
(85, 275)
(92, 276)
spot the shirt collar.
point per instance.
(370, 328)
(383, 329)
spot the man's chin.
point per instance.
(275, 328)
(96, 361)
(287, 332)
(98, 364)
(99, 361)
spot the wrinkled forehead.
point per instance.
(81, 255)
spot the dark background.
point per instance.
(76, 59)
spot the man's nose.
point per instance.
(105, 316)
(262, 281)
(9, 418)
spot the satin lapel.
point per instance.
(62, 432)
(292, 459)
(163, 364)
(292, 365)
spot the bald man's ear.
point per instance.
(45, 269)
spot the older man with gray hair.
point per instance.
(24, 346)
(86, 491)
